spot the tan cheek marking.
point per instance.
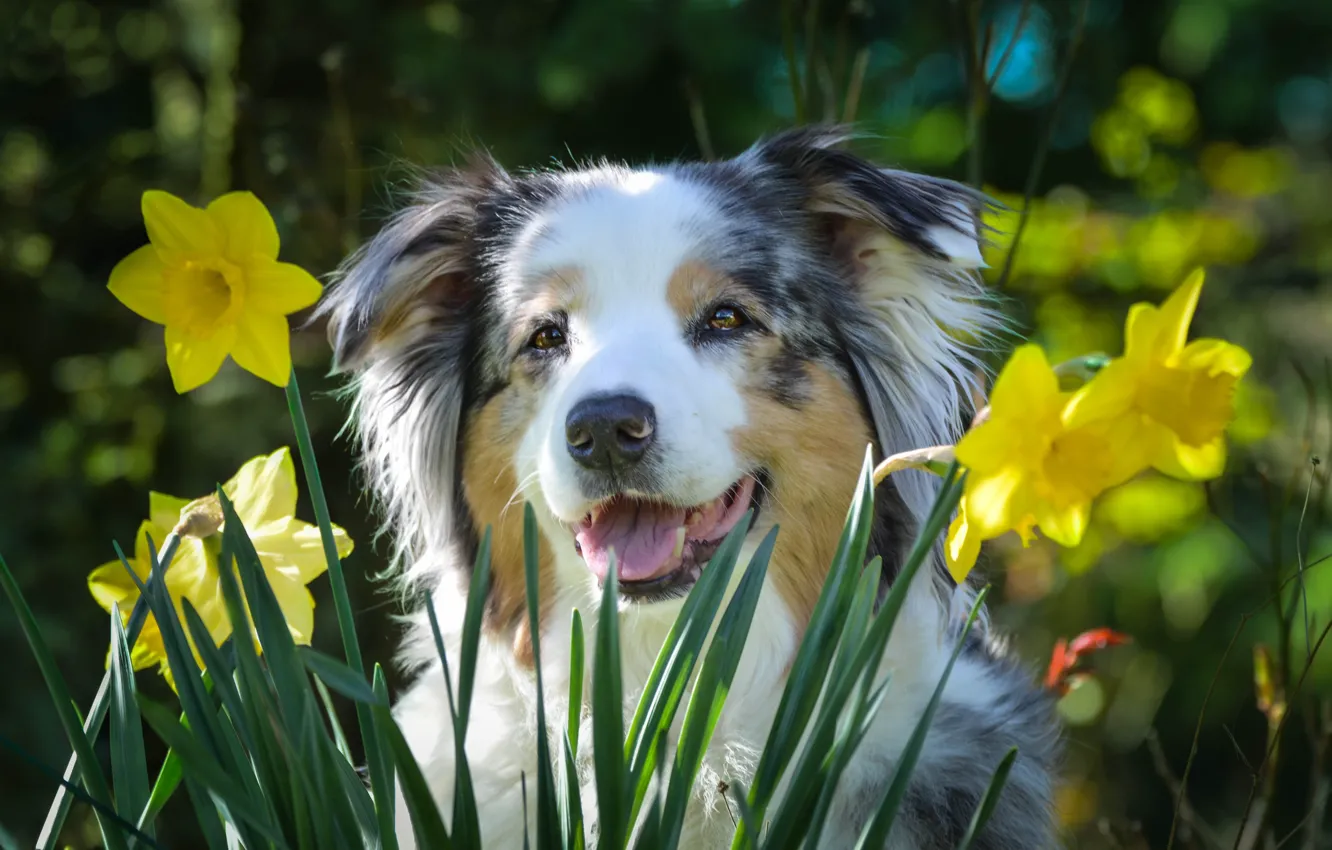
(489, 486)
(814, 454)
(693, 285)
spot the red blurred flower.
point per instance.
(1068, 655)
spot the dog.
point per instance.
(644, 354)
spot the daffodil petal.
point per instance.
(148, 649)
(1177, 314)
(263, 347)
(1140, 332)
(148, 530)
(264, 489)
(212, 610)
(990, 501)
(1109, 395)
(296, 603)
(281, 288)
(1064, 525)
(297, 545)
(248, 231)
(1191, 463)
(164, 511)
(177, 229)
(1214, 357)
(961, 548)
(138, 282)
(193, 361)
(1025, 380)
(109, 584)
(985, 448)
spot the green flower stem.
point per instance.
(92, 725)
(341, 601)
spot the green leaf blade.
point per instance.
(89, 768)
(129, 762)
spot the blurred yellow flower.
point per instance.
(264, 493)
(212, 277)
(1027, 468)
(1172, 399)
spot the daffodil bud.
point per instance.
(200, 518)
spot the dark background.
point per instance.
(1190, 132)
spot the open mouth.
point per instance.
(659, 547)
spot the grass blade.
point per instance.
(321, 762)
(549, 828)
(286, 672)
(195, 700)
(337, 579)
(745, 815)
(335, 725)
(380, 765)
(338, 676)
(813, 659)
(876, 831)
(92, 726)
(168, 780)
(129, 763)
(203, 768)
(76, 793)
(570, 800)
(272, 747)
(230, 727)
(851, 732)
(709, 696)
(218, 669)
(834, 727)
(354, 791)
(571, 804)
(576, 672)
(206, 815)
(426, 820)
(989, 800)
(466, 824)
(857, 620)
(89, 769)
(608, 718)
(675, 663)
(478, 592)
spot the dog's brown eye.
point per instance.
(547, 338)
(727, 318)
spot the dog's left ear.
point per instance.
(938, 218)
(907, 246)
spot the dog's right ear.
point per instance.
(418, 270)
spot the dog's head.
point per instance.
(645, 354)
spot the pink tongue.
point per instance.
(643, 535)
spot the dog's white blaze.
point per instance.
(625, 242)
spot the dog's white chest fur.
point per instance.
(501, 739)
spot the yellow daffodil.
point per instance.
(1172, 397)
(212, 277)
(1027, 469)
(264, 493)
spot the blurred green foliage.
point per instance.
(1190, 132)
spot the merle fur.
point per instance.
(777, 245)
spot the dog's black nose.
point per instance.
(610, 432)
